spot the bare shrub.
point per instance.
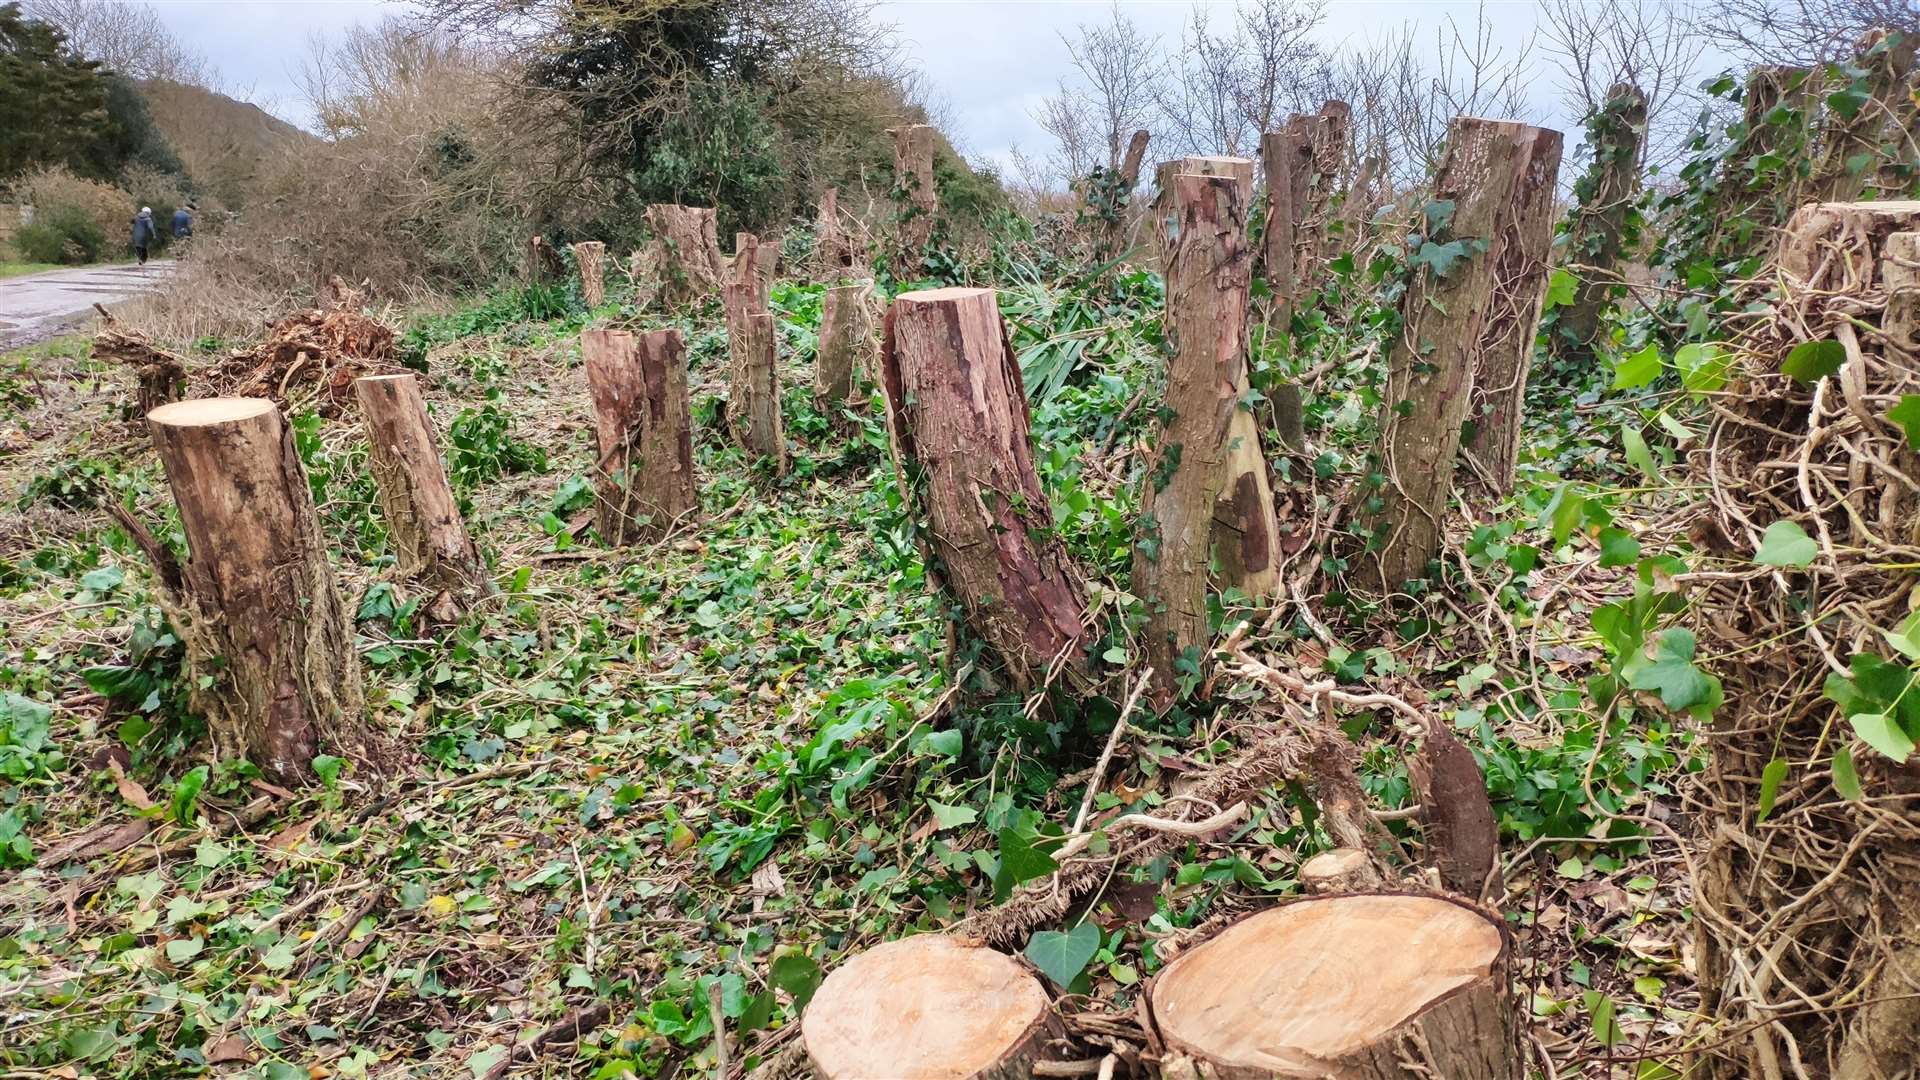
(51, 187)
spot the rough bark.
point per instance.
(957, 415)
(1430, 365)
(684, 253)
(753, 402)
(1286, 161)
(1340, 870)
(429, 540)
(846, 347)
(1522, 245)
(1881, 131)
(915, 197)
(1900, 275)
(543, 262)
(1326, 136)
(832, 255)
(929, 1006)
(258, 604)
(1596, 243)
(1360, 986)
(1462, 839)
(590, 256)
(643, 478)
(161, 375)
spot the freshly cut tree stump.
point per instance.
(259, 606)
(1359, 986)
(914, 193)
(957, 415)
(643, 480)
(846, 346)
(429, 540)
(929, 1007)
(684, 252)
(1341, 870)
(753, 402)
(591, 257)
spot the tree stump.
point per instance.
(914, 194)
(1340, 870)
(1207, 478)
(161, 375)
(429, 540)
(259, 607)
(957, 416)
(1880, 131)
(929, 1007)
(1504, 357)
(1360, 986)
(643, 479)
(543, 262)
(590, 256)
(1286, 161)
(833, 248)
(1430, 365)
(684, 251)
(753, 401)
(1325, 135)
(1597, 240)
(846, 347)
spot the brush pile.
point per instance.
(1809, 889)
(314, 353)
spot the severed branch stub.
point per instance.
(424, 528)
(930, 1006)
(957, 416)
(643, 478)
(1362, 986)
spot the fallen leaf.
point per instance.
(128, 787)
(289, 838)
(231, 1048)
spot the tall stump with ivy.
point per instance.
(1402, 507)
(590, 258)
(429, 540)
(961, 435)
(682, 256)
(1867, 145)
(753, 378)
(643, 478)
(1600, 234)
(916, 200)
(846, 347)
(257, 603)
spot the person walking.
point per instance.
(183, 222)
(143, 233)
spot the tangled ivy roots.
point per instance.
(1809, 931)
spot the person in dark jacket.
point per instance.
(183, 222)
(143, 232)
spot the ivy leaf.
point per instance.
(1770, 778)
(1618, 548)
(1846, 778)
(1020, 860)
(1811, 361)
(1879, 731)
(1785, 543)
(481, 1062)
(1637, 370)
(1560, 288)
(944, 743)
(1672, 674)
(952, 817)
(1702, 367)
(798, 975)
(1063, 956)
(1907, 415)
(1638, 455)
(1907, 638)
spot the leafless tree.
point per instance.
(126, 37)
(1092, 117)
(1800, 32)
(1222, 89)
(1600, 43)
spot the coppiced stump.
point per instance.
(1286, 160)
(1597, 239)
(429, 540)
(915, 196)
(684, 253)
(590, 256)
(957, 415)
(1520, 251)
(643, 479)
(1430, 365)
(257, 603)
(846, 346)
(753, 404)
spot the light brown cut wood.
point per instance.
(1522, 245)
(846, 347)
(258, 604)
(1430, 365)
(1338, 871)
(929, 1007)
(683, 253)
(429, 540)
(590, 256)
(643, 478)
(1359, 986)
(958, 421)
(915, 196)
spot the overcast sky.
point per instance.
(993, 60)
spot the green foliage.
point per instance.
(716, 147)
(61, 234)
(52, 102)
(481, 448)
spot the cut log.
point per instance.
(749, 278)
(1359, 986)
(684, 253)
(1522, 245)
(915, 197)
(590, 256)
(846, 347)
(1207, 448)
(1462, 836)
(260, 609)
(429, 540)
(643, 479)
(1597, 241)
(1341, 870)
(543, 262)
(1430, 364)
(929, 1007)
(753, 402)
(957, 417)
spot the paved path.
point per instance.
(39, 306)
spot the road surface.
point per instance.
(36, 307)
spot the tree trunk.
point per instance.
(543, 263)
(829, 238)
(1880, 132)
(929, 1006)
(258, 604)
(1207, 478)
(957, 414)
(1360, 986)
(916, 198)
(1108, 202)
(643, 479)
(1287, 162)
(753, 402)
(1522, 244)
(424, 529)
(1430, 365)
(1597, 243)
(591, 258)
(684, 251)
(1325, 136)
(846, 348)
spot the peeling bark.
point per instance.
(753, 396)
(683, 253)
